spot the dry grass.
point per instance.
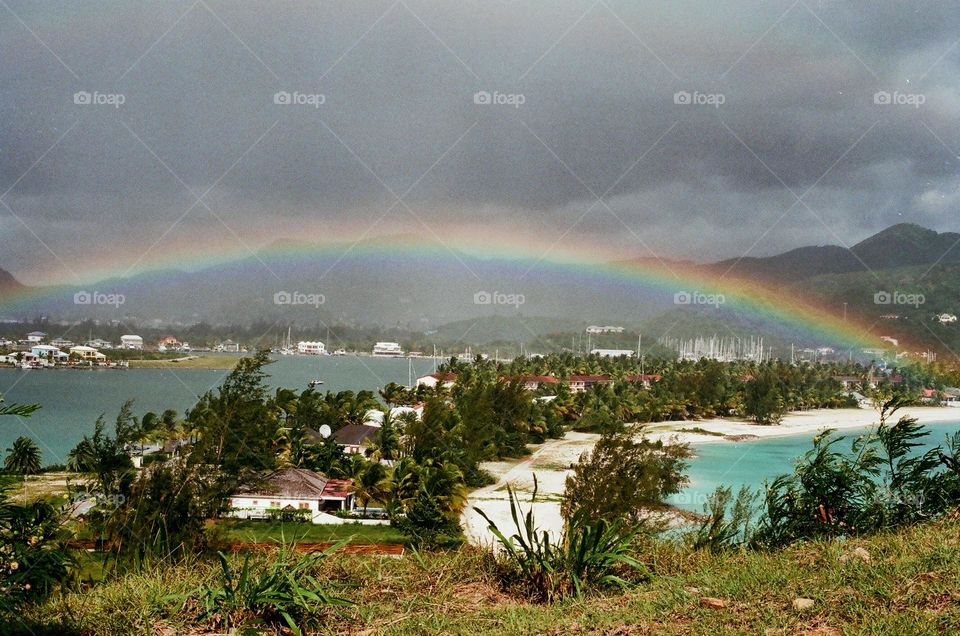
(907, 587)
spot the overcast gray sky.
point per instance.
(851, 107)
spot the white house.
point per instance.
(312, 347)
(48, 352)
(228, 346)
(87, 353)
(295, 491)
(388, 349)
(612, 353)
(36, 336)
(131, 342)
(99, 343)
(446, 380)
(61, 343)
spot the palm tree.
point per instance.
(20, 410)
(373, 484)
(23, 458)
(83, 457)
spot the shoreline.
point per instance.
(796, 423)
(551, 461)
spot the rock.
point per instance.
(712, 603)
(801, 604)
(856, 553)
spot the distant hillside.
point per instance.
(900, 245)
(9, 284)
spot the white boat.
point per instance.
(313, 383)
(387, 349)
(340, 352)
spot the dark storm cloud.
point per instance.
(597, 82)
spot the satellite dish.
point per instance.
(325, 431)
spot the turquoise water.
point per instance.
(753, 462)
(72, 399)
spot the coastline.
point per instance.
(550, 462)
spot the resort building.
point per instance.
(446, 380)
(48, 352)
(388, 349)
(131, 342)
(312, 347)
(87, 353)
(531, 382)
(294, 492)
(581, 383)
(613, 353)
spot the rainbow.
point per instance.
(599, 265)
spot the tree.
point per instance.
(23, 458)
(623, 477)
(763, 400)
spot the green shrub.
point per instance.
(283, 591)
(590, 555)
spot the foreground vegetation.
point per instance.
(892, 583)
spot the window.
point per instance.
(304, 505)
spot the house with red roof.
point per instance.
(446, 380)
(295, 492)
(646, 379)
(581, 383)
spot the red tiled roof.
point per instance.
(643, 377)
(546, 379)
(338, 488)
(589, 378)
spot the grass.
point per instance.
(192, 362)
(235, 530)
(907, 587)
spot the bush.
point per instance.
(622, 478)
(590, 555)
(717, 531)
(267, 593)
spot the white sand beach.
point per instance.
(551, 461)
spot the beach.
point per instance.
(551, 461)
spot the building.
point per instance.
(388, 349)
(646, 379)
(294, 491)
(581, 383)
(446, 380)
(36, 336)
(87, 353)
(356, 438)
(531, 382)
(946, 318)
(594, 329)
(48, 352)
(99, 344)
(131, 342)
(613, 353)
(312, 347)
(61, 343)
(229, 346)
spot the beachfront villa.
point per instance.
(131, 342)
(446, 380)
(49, 352)
(295, 491)
(311, 347)
(87, 353)
(388, 349)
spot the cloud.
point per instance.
(587, 108)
